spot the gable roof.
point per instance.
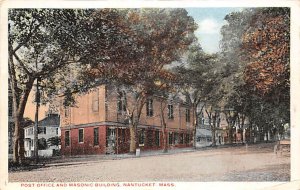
(50, 120)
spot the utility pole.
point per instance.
(37, 101)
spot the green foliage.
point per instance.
(26, 122)
(42, 144)
(73, 50)
(54, 141)
(199, 78)
(240, 53)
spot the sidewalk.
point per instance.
(83, 159)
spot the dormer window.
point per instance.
(170, 112)
(149, 107)
(121, 102)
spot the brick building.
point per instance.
(97, 123)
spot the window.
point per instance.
(150, 139)
(56, 131)
(149, 107)
(170, 112)
(181, 138)
(187, 139)
(80, 135)
(157, 138)
(176, 138)
(95, 101)
(142, 137)
(170, 138)
(30, 131)
(121, 102)
(67, 111)
(96, 136)
(123, 133)
(42, 130)
(67, 138)
(187, 115)
(202, 118)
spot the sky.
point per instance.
(210, 21)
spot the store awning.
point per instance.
(203, 133)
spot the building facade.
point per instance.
(204, 131)
(98, 123)
(47, 128)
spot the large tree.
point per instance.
(158, 37)
(198, 81)
(255, 52)
(162, 35)
(46, 43)
(266, 48)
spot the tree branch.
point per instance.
(47, 70)
(22, 64)
(28, 36)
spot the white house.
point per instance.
(47, 128)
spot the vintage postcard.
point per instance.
(150, 95)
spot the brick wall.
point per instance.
(122, 141)
(88, 114)
(89, 108)
(87, 147)
(178, 122)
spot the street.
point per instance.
(254, 163)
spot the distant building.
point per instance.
(47, 128)
(203, 131)
(97, 124)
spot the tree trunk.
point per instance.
(251, 131)
(16, 140)
(133, 142)
(134, 121)
(21, 146)
(242, 129)
(213, 136)
(165, 140)
(230, 135)
(18, 154)
(209, 114)
(19, 104)
(195, 123)
(164, 128)
(213, 128)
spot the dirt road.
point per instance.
(256, 163)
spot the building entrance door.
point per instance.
(110, 140)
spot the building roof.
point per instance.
(50, 120)
(203, 132)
